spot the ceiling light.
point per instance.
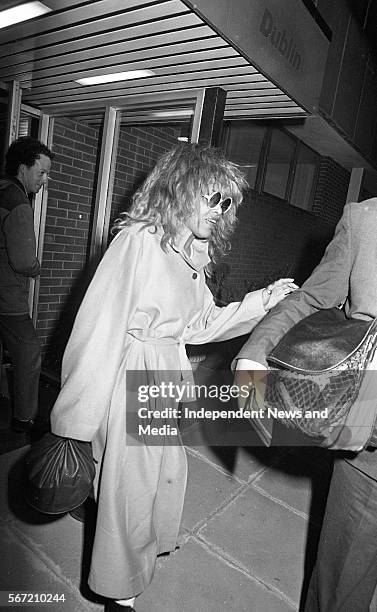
(23, 12)
(173, 113)
(117, 76)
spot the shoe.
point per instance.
(112, 606)
(22, 426)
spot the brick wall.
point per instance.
(70, 205)
(274, 239)
(331, 190)
(69, 213)
(138, 150)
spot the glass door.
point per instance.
(139, 145)
(100, 158)
(3, 123)
(29, 122)
(67, 227)
(134, 138)
(17, 120)
(32, 122)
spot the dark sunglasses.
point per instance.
(216, 199)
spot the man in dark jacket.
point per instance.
(27, 165)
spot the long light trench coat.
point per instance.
(141, 308)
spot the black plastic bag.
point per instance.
(59, 474)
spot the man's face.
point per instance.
(37, 175)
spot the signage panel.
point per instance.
(279, 37)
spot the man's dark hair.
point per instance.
(26, 151)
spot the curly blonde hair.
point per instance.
(167, 196)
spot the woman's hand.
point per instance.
(277, 291)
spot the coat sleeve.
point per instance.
(95, 348)
(215, 324)
(327, 286)
(20, 242)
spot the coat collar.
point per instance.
(5, 181)
(193, 251)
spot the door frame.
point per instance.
(112, 118)
(45, 127)
(104, 184)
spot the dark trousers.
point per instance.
(18, 335)
(345, 574)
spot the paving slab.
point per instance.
(215, 397)
(61, 540)
(243, 462)
(22, 569)
(207, 490)
(264, 538)
(194, 579)
(231, 443)
(225, 430)
(12, 501)
(296, 483)
(243, 548)
(11, 468)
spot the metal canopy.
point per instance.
(78, 39)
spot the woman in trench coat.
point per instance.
(148, 299)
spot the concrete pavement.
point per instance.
(244, 544)
(249, 530)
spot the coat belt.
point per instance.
(184, 362)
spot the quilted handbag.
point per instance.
(319, 386)
(59, 474)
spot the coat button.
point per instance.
(195, 275)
